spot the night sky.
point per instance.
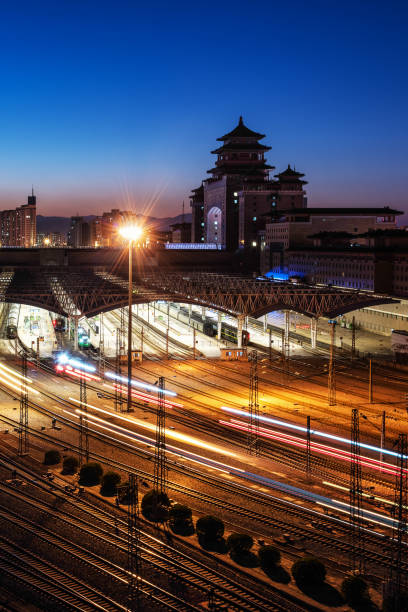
(119, 103)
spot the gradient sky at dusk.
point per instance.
(105, 103)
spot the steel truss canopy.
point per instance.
(88, 291)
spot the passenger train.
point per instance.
(208, 327)
(12, 321)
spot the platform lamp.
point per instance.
(131, 233)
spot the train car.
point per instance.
(230, 333)
(59, 324)
(399, 345)
(83, 341)
(12, 321)
(207, 326)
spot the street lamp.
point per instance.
(130, 233)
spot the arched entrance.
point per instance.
(214, 219)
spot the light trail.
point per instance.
(314, 432)
(174, 450)
(136, 383)
(16, 384)
(144, 396)
(368, 495)
(318, 448)
(309, 496)
(65, 359)
(175, 435)
(14, 373)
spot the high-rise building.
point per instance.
(18, 226)
(79, 234)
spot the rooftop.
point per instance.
(352, 211)
(241, 131)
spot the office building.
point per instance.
(18, 226)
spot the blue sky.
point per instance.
(114, 103)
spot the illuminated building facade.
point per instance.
(229, 208)
(18, 227)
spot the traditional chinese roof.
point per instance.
(290, 175)
(256, 168)
(241, 131)
(241, 146)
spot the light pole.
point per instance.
(131, 233)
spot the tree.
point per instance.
(109, 483)
(269, 557)
(309, 571)
(210, 528)
(52, 457)
(90, 474)
(180, 519)
(70, 465)
(239, 543)
(155, 506)
(354, 590)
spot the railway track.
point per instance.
(100, 524)
(276, 517)
(109, 570)
(40, 575)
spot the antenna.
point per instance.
(182, 214)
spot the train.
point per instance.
(209, 327)
(12, 321)
(83, 338)
(59, 324)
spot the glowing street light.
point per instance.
(130, 233)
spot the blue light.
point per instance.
(277, 275)
(136, 383)
(65, 359)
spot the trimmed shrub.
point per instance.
(180, 519)
(354, 590)
(52, 457)
(239, 543)
(308, 571)
(109, 483)
(269, 557)
(70, 465)
(210, 528)
(90, 474)
(155, 506)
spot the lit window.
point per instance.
(235, 201)
(235, 194)
(202, 224)
(254, 243)
(253, 218)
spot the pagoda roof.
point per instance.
(240, 169)
(241, 146)
(241, 131)
(289, 173)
